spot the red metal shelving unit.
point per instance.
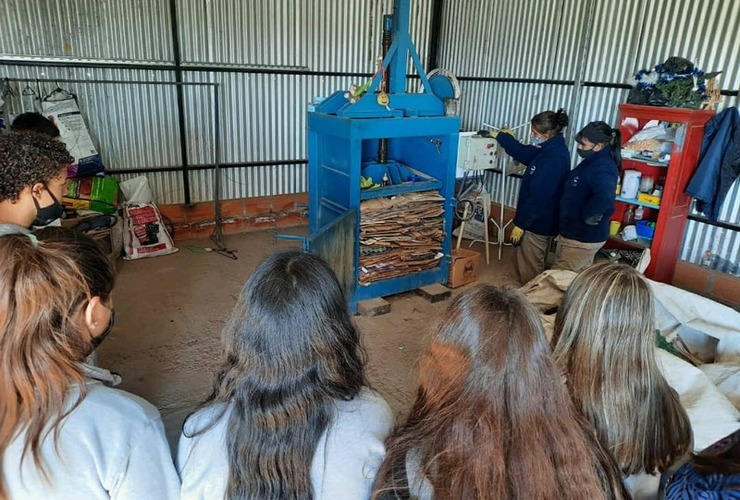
(670, 216)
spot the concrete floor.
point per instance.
(170, 310)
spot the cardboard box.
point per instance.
(464, 267)
(109, 239)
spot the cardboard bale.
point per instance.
(464, 267)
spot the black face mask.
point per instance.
(48, 214)
(100, 338)
(586, 153)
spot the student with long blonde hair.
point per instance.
(604, 341)
(492, 418)
(63, 432)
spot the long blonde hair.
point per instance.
(43, 290)
(604, 341)
(492, 418)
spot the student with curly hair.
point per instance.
(492, 417)
(33, 179)
(64, 433)
(290, 416)
(35, 123)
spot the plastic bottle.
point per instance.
(639, 213)
(706, 261)
(386, 180)
(629, 217)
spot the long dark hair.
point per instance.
(604, 342)
(290, 348)
(492, 418)
(550, 122)
(43, 292)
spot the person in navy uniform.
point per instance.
(548, 163)
(588, 197)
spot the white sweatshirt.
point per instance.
(111, 446)
(344, 465)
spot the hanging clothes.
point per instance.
(719, 163)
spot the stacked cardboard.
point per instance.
(400, 235)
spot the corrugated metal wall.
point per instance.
(515, 58)
(262, 115)
(86, 29)
(509, 40)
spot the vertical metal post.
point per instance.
(180, 91)
(218, 236)
(435, 34)
(385, 86)
(582, 61)
(401, 16)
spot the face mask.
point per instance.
(100, 338)
(536, 140)
(586, 153)
(48, 214)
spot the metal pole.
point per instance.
(401, 16)
(435, 34)
(385, 85)
(180, 94)
(112, 82)
(218, 236)
(586, 33)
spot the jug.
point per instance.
(631, 183)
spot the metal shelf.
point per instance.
(652, 163)
(638, 243)
(635, 201)
(404, 187)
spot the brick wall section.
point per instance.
(238, 216)
(715, 285)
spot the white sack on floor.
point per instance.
(726, 376)
(144, 232)
(704, 315)
(711, 414)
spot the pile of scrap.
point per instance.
(400, 235)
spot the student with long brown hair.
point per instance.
(492, 418)
(290, 416)
(604, 342)
(63, 432)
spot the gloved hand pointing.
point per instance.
(516, 236)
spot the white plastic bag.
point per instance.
(137, 190)
(144, 232)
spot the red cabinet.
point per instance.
(670, 213)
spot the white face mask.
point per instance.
(536, 140)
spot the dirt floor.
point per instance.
(170, 310)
